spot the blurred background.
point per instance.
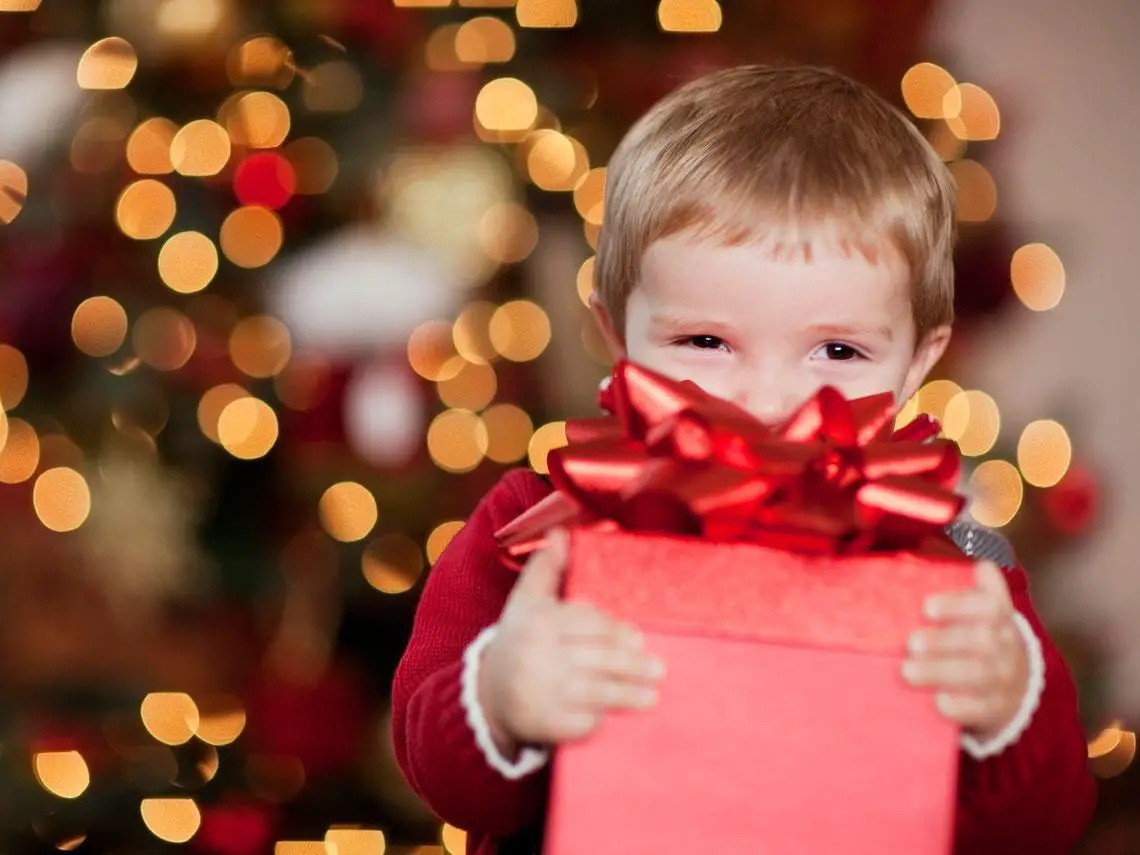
(286, 285)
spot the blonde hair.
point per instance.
(755, 154)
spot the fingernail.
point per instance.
(931, 608)
(655, 668)
(916, 643)
(910, 671)
(647, 698)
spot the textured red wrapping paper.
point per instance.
(783, 725)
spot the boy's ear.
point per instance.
(926, 356)
(606, 326)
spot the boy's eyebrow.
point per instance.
(856, 330)
(674, 320)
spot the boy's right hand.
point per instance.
(554, 669)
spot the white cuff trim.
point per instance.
(984, 750)
(530, 759)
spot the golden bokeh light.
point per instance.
(392, 563)
(148, 147)
(258, 120)
(62, 499)
(546, 13)
(689, 16)
(174, 820)
(927, 90)
(1106, 741)
(554, 161)
(260, 346)
(506, 105)
(13, 191)
(110, 63)
(421, 4)
(145, 209)
(62, 773)
(431, 351)
(1044, 452)
(471, 335)
(1038, 277)
(221, 721)
(348, 511)
(13, 377)
(302, 847)
(454, 839)
(977, 192)
(440, 537)
(473, 388)
(972, 420)
(487, 4)
(457, 440)
(252, 236)
(440, 53)
(355, 841)
(201, 148)
(520, 330)
(997, 491)
(170, 717)
(333, 87)
(508, 233)
(187, 262)
(546, 439)
(1116, 760)
(509, 430)
(315, 164)
(589, 196)
(948, 146)
(483, 40)
(591, 231)
(20, 453)
(585, 280)
(261, 61)
(934, 396)
(23, 5)
(247, 428)
(978, 118)
(164, 339)
(99, 326)
(213, 402)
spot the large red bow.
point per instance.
(672, 458)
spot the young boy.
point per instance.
(767, 232)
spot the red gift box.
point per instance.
(778, 574)
(783, 724)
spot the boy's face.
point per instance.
(767, 332)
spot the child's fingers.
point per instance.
(589, 691)
(965, 709)
(974, 638)
(577, 622)
(948, 673)
(616, 663)
(974, 605)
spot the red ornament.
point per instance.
(1073, 504)
(266, 179)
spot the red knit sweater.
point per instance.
(1035, 797)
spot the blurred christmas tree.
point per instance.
(276, 312)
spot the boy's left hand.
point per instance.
(973, 654)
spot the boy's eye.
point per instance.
(705, 342)
(835, 351)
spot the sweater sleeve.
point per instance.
(1037, 796)
(434, 745)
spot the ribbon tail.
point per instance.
(527, 532)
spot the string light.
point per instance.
(174, 820)
(221, 721)
(440, 537)
(110, 63)
(213, 402)
(145, 209)
(1038, 277)
(457, 440)
(200, 149)
(473, 388)
(99, 326)
(355, 841)
(1044, 452)
(62, 499)
(431, 351)
(258, 120)
(508, 233)
(13, 191)
(546, 13)
(252, 236)
(20, 453)
(471, 334)
(998, 491)
(164, 339)
(148, 147)
(545, 440)
(13, 377)
(19, 5)
(554, 161)
(62, 773)
(483, 40)
(392, 563)
(972, 420)
(928, 89)
(247, 428)
(520, 330)
(585, 280)
(689, 16)
(170, 717)
(440, 50)
(315, 165)
(977, 192)
(348, 511)
(506, 105)
(454, 839)
(261, 61)
(977, 117)
(589, 196)
(260, 346)
(509, 430)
